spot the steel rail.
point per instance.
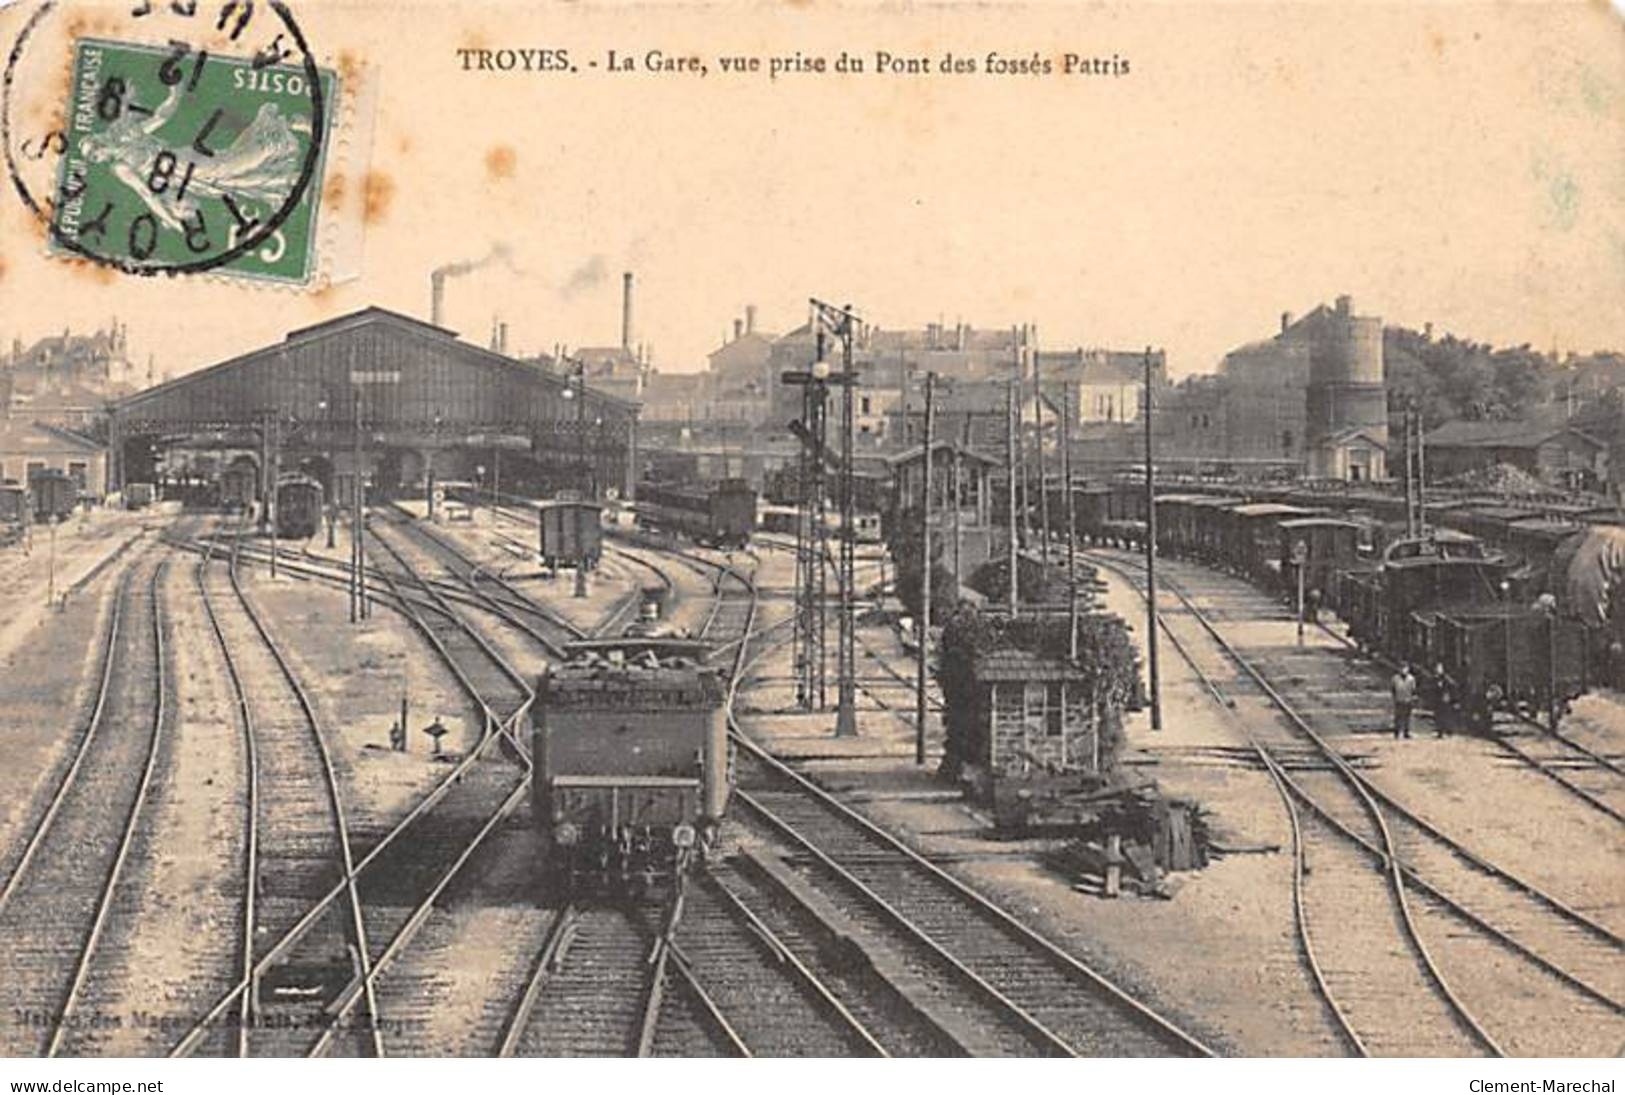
(92, 727)
(345, 1003)
(1544, 767)
(516, 597)
(679, 961)
(115, 872)
(1563, 909)
(1285, 787)
(1158, 1023)
(251, 820)
(1388, 858)
(519, 1018)
(335, 798)
(805, 977)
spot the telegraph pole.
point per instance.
(922, 626)
(846, 714)
(274, 425)
(1151, 558)
(1071, 521)
(1038, 443)
(1010, 409)
(959, 507)
(1410, 493)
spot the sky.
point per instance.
(1461, 164)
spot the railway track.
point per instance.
(297, 841)
(1009, 990)
(57, 903)
(1486, 956)
(1591, 778)
(420, 548)
(401, 871)
(602, 985)
(776, 1003)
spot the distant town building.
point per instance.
(1312, 398)
(1108, 385)
(1557, 454)
(740, 381)
(68, 379)
(29, 448)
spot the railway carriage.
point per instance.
(633, 763)
(298, 507)
(722, 515)
(237, 486)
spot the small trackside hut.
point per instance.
(633, 765)
(1035, 715)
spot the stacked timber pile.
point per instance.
(1137, 838)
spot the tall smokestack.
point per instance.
(437, 297)
(626, 310)
(739, 328)
(750, 319)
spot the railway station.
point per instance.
(403, 401)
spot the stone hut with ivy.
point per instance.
(1034, 714)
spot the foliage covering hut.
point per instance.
(998, 723)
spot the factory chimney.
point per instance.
(1286, 321)
(739, 328)
(750, 319)
(499, 252)
(626, 311)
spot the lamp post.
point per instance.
(1300, 556)
(428, 478)
(1506, 631)
(576, 389)
(325, 406)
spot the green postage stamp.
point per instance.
(180, 161)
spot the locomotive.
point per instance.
(633, 766)
(721, 515)
(298, 506)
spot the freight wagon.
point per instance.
(571, 533)
(55, 494)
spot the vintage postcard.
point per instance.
(1023, 529)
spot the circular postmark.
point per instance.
(173, 158)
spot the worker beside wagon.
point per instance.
(1444, 702)
(1403, 687)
